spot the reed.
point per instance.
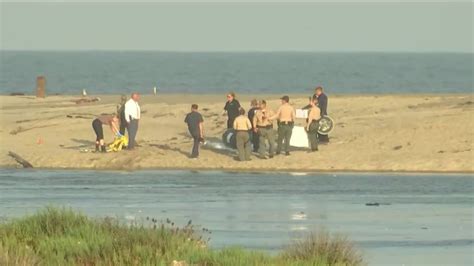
(60, 236)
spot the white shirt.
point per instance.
(132, 109)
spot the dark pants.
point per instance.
(255, 138)
(313, 135)
(132, 129)
(266, 134)
(123, 125)
(323, 138)
(230, 122)
(284, 134)
(99, 132)
(243, 145)
(195, 151)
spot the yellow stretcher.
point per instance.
(118, 144)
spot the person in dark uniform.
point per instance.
(121, 114)
(195, 127)
(323, 106)
(231, 107)
(254, 136)
(312, 98)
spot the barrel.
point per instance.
(229, 138)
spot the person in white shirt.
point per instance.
(132, 116)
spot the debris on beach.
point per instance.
(87, 100)
(23, 129)
(376, 204)
(20, 160)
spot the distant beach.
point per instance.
(413, 133)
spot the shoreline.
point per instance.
(249, 170)
(396, 133)
(243, 94)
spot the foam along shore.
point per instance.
(372, 133)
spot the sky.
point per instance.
(337, 26)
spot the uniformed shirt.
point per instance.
(286, 113)
(323, 103)
(242, 123)
(251, 114)
(193, 120)
(314, 114)
(232, 108)
(261, 118)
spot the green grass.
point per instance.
(55, 236)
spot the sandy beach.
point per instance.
(414, 133)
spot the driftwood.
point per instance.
(20, 160)
(22, 129)
(87, 100)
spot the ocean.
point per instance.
(422, 219)
(112, 72)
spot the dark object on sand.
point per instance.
(87, 100)
(376, 204)
(229, 138)
(40, 87)
(397, 147)
(20, 160)
(326, 125)
(17, 94)
(372, 204)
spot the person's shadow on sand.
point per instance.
(83, 144)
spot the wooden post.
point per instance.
(41, 87)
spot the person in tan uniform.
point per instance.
(286, 117)
(264, 128)
(312, 124)
(242, 127)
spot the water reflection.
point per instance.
(267, 210)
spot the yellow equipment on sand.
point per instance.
(118, 144)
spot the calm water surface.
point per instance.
(271, 72)
(421, 219)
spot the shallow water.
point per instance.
(421, 219)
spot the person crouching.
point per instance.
(195, 127)
(242, 127)
(110, 120)
(312, 124)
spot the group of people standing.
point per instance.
(256, 128)
(253, 129)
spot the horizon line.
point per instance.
(236, 51)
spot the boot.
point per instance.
(102, 148)
(97, 147)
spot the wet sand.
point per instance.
(413, 133)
